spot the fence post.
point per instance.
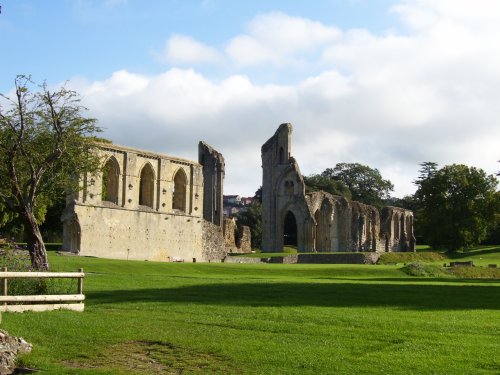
(4, 283)
(4, 289)
(80, 283)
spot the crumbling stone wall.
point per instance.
(230, 235)
(397, 229)
(213, 175)
(214, 249)
(319, 221)
(237, 239)
(244, 239)
(149, 207)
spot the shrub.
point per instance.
(17, 259)
(425, 270)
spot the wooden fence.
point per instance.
(41, 302)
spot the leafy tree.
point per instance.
(365, 184)
(457, 205)
(45, 144)
(318, 182)
(252, 217)
(408, 202)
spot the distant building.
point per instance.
(232, 200)
(246, 201)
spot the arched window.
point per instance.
(396, 225)
(179, 196)
(289, 190)
(110, 174)
(146, 186)
(281, 156)
(290, 230)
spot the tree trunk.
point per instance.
(36, 246)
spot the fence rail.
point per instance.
(72, 302)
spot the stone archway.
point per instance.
(179, 193)
(290, 230)
(146, 186)
(110, 174)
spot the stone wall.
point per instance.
(341, 258)
(213, 243)
(146, 206)
(230, 234)
(119, 233)
(236, 239)
(244, 239)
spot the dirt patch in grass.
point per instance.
(154, 357)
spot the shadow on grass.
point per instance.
(417, 280)
(418, 297)
(468, 254)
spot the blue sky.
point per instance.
(58, 39)
(389, 84)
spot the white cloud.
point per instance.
(278, 39)
(390, 101)
(181, 49)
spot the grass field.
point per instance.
(174, 318)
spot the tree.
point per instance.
(45, 144)
(252, 217)
(457, 205)
(318, 182)
(365, 184)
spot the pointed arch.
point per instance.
(290, 230)
(179, 194)
(146, 186)
(110, 180)
(396, 225)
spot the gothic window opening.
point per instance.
(110, 181)
(396, 227)
(179, 196)
(146, 187)
(289, 188)
(290, 230)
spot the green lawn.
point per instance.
(174, 318)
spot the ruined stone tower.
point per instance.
(320, 221)
(212, 163)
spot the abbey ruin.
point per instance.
(319, 221)
(148, 206)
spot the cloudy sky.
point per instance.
(390, 84)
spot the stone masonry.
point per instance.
(148, 206)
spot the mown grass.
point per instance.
(146, 317)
